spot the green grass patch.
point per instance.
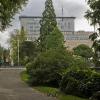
(50, 91)
(56, 93)
(24, 76)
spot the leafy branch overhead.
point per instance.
(93, 14)
(8, 9)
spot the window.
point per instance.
(68, 25)
(30, 27)
(65, 24)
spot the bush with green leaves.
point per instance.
(84, 51)
(80, 62)
(48, 66)
(80, 82)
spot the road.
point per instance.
(12, 88)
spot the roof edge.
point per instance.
(41, 17)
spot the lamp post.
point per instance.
(17, 45)
(18, 50)
(0, 22)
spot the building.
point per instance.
(65, 24)
(79, 37)
(32, 25)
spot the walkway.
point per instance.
(12, 88)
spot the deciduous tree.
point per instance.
(8, 8)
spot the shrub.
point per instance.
(96, 96)
(80, 82)
(80, 62)
(47, 68)
(84, 51)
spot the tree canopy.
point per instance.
(84, 51)
(49, 32)
(8, 9)
(93, 13)
(17, 39)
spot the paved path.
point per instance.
(12, 88)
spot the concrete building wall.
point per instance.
(70, 44)
(32, 25)
(66, 26)
(79, 37)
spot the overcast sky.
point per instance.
(72, 8)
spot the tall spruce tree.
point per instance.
(54, 40)
(48, 24)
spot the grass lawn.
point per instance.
(55, 92)
(51, 91)
(24, 76)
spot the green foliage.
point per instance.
(96, 96)
(28, 51)
(80, 82)
(24, 76)
(50, 91)
(15, 41)
(49, 33)
(55, 92)
(54, 40)
(1, 50)
(80, 63)
(8, 9)
(4, 54)
(93, 14)
(48, 66)
(84, 51)
(96, 48)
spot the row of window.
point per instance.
(76, 38)
(34, 27)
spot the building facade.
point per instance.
(32, 25)
(79, 37)
(65, 24)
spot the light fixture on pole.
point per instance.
(18, 50)
(0, 19)
(0, 22)
(17, 45)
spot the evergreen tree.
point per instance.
(54, 40)
(48, 23)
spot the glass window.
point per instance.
(69, 25)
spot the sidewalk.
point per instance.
(12, 88)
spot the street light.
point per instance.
(0, 22)
(18, 50)
(17, 45)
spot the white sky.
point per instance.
(75, 8)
